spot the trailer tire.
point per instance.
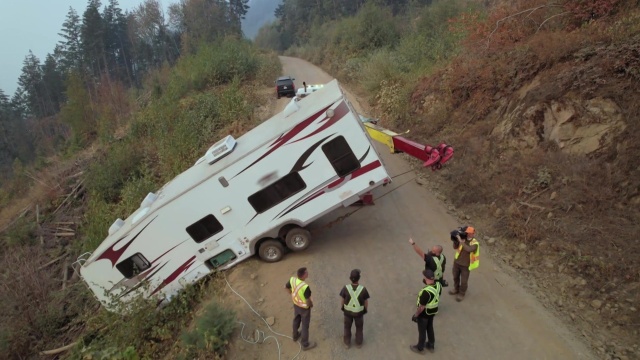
(298, 239)
(271, 251)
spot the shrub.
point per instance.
(33, 311)
(212, 65)
(107, 175)
(144, 331)
(21, 232)
(211, 332)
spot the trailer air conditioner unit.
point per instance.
(220, 149)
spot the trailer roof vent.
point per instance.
(116, 226)
(292, 107)
(220, 149)
(148, 200)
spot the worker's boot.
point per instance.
(311, 345)
(416, 350)
(453, 292)
(460, 297)
(430, 347)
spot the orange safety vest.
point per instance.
(297, 292)
(474, 256)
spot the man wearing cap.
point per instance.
(434, 260)
(427, 308)
(354, 303)
(302, 304)
(467, 258)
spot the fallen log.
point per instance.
(52, 262)
(65, 234)
(72, 193)
(65, 273)
(533, 206)
(58, 350)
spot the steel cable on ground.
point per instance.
(343, 217)
(260, 337)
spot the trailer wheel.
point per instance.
(271, 251)
(298, 239)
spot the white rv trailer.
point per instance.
(253, 195)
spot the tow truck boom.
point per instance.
(433, 156)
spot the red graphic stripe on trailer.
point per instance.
(174, 275)
(113, 255)
(338, 114)
(283, 139)
(343, 180)
(166, 252)
(365, 169)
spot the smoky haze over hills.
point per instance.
(260, 12)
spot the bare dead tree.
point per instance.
(529, 12)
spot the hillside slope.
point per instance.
(547, 138)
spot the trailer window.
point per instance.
(133, 266)
(204, 228)
(340, 156)
(277, 192)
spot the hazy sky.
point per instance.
(34, 25)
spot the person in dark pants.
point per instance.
(434, 260)
(302, 304)
(354, 303)
(427, 308)
(467, 258)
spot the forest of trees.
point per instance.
(101, 47)
(295, 19)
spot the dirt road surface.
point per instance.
(497, 320)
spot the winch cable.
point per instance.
(341, 218)
(260, 337)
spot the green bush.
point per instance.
(108, 175)
(212, 65)
(211, 332)
(144, 331)
(22, 232)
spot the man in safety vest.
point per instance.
(354, 303)
(434, 260)
(302, 304)
(467, 258)
(427, 308)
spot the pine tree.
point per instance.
(53, 83)
(237, 11)
(31, 82)
(117, 42)
(92, 38)
(70, 46)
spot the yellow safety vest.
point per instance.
(297, 292)
(438, 272)
(475, 256)
(354, 304)
(435, 299)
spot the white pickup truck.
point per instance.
(307, 89)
